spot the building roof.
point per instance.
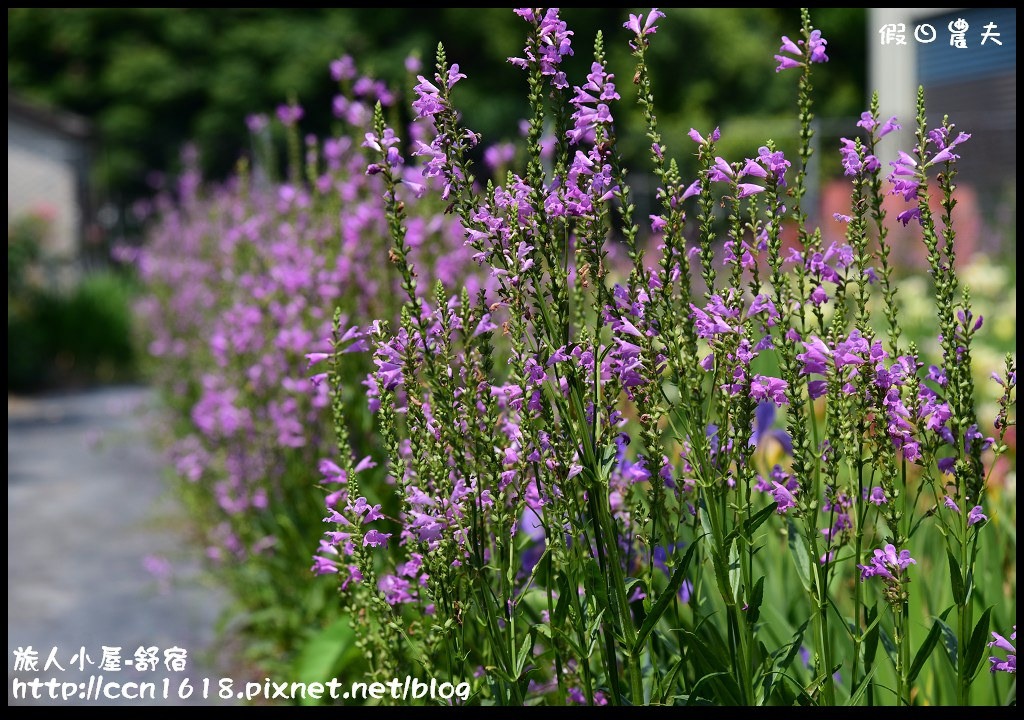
(60, 121)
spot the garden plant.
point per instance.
(568, 454)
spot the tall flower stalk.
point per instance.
(570, 454)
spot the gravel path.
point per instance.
(85, 506)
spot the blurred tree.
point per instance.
(152, 79)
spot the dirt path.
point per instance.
(85, 507)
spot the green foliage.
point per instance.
(81, 336)
(154, 78)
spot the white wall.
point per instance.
(893, 71)
(42, 174)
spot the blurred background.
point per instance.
(102, 102)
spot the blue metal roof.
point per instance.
(939, 63)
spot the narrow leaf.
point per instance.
(927, 646)
(949, 642)
(976, 647)
(863, 687)
(756, 597)
(956, 578)
(798, 548)
(665, 598)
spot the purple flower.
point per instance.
(748, 189)
(316, 357)
(375, 538)
(773, 389)
(852, 163)
(648, 28)
(591, 101)
(753, 169)
(344, 68)
(817, 44)
(331, 472)
(428, 98)
(786, 63)
(289, 114)
(904, 178)
(256, 123)
(784, 497)
(791, 47)
(907, 215)
(497, 156)
(975, 516)
(555, 43)
(889, 126)
(887, 564)
(867, 121)
(699, 139)
(323, 566)
(877, 496)
(940, 136)
(1008, 665)
(454, 75)
(774, 162)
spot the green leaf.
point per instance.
(753, 523)
(863, 687)
(691, 700)
(927, 646)
(976, 647)
(524, 652)
(665, 598)
(794, 646)
(669, 680)
(798, 548)
(750, 524)
(871, 636)
(735, 572)
(594, 581)
(956, 578)
(570, 640)
(887, 643)
(323, 653)
(728, 692)
(756, 597)
(562, 607)
(949, 642)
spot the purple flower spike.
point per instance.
(815, 44)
